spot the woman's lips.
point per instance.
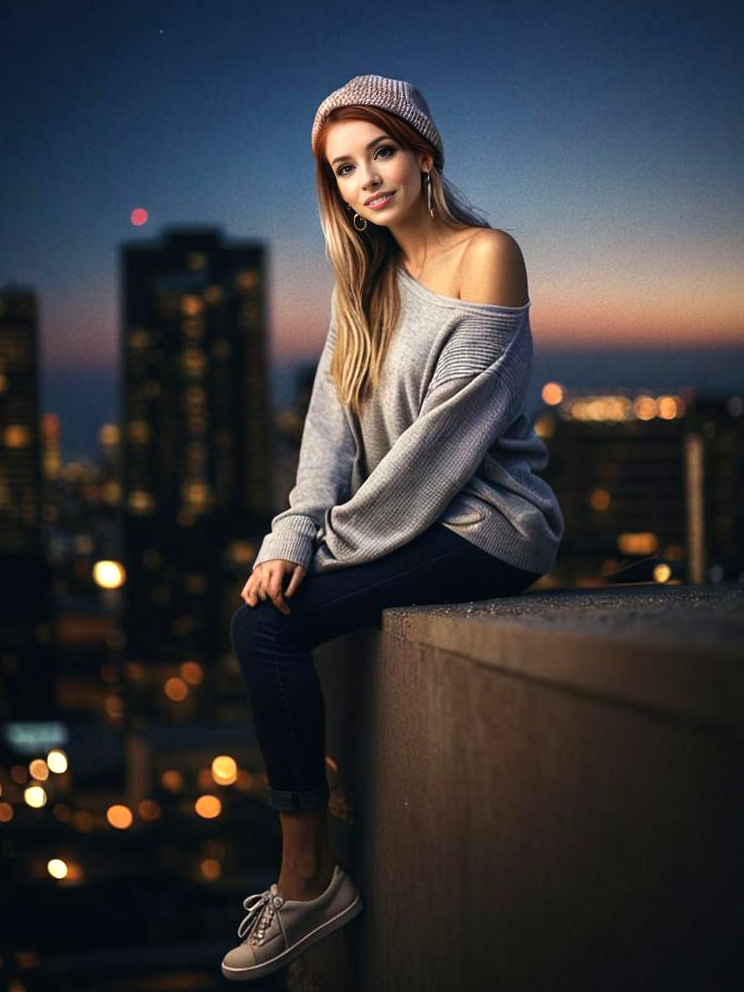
(382, 203)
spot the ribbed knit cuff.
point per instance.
(295, 545)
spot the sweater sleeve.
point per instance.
(327, 452)
(475, 392)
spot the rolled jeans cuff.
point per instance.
(288, 800)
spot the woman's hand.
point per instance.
(267, 579)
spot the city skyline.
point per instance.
(601, 137)
(156, 379)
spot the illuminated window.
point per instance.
(192, 306)
(138, 338)
(246, 280)
(196, 260)
(17, 436)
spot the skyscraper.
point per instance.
(196, 435)
(25, 604)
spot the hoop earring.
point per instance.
(357, 216)
(428, 192)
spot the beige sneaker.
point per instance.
(276, 930)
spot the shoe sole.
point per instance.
(259, 970)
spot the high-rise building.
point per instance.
(646, 476)
(25, 603)
(196, 436)
(20, 435)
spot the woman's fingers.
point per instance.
(253, 599)
(249, 593)
(297, 577)
(274, 589)
(267, 580)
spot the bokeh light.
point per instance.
(109, 574)
(39, 769)
(119, 816)
(208, 806)
(57, 868)
(172, 780)
(35, 796)
(57, 761)
(224, 769)
(176, 689)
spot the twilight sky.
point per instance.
(605, 136)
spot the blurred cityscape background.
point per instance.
(155, 372)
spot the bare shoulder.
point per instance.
(492, 270)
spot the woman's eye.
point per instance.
(382, 148)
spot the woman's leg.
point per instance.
(274, 652)
(289, 718)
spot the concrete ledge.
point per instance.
(677, 649)
(541, 793)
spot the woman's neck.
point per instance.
(422, 239)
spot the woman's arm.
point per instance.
(327, 454)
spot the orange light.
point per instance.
(148, 809)
(175, 689)
(191, 305)
(224, 769)
(552, 393)
(646, 407)
(172, 780)
(191, 672)
(119, 816)
(208, 806)
(642, 543)
(39, 769)
(599, 499)
(211, 869)
(662, 573)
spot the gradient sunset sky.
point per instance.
(606, 137)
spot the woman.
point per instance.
(415, 481)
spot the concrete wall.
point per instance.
(540, 793)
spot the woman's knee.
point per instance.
(238, 622)
(262, 621)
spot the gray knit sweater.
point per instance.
(443, 438)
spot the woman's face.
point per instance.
(367, 162)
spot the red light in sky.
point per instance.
(139, 216)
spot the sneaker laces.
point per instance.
(261, 909)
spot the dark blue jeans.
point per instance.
(274, 650)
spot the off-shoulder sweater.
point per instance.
(443, 438)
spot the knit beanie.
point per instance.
(395, 95)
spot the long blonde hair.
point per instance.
(367, 302)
